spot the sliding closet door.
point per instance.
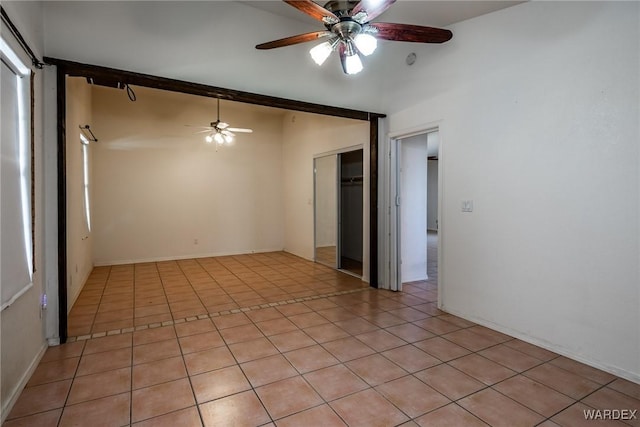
(326, 209)
(350, 211)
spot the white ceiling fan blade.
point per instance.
(241, 130)
(223, 125)
(226, 132)
(205, 131)
(200, 127)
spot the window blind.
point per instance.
(15, 178)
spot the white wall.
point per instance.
(79, 238)
(22, 342)
(161, 192)
(540, 129)
(413, 211)
(304, 136)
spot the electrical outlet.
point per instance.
(195, 241)
(467, 206)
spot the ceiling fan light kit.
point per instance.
(321, 52)
(220, 132)
(352, 34)
(351, 62)
(366, 43)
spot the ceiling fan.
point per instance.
(220, 132)
(349, 30)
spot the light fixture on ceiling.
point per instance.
(219, 132)
(353, 45)
(350, 30)
(351, 62)
(352, 39)
(321, 52)
(366, 43)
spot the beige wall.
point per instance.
(305, 136)
(160, 192)
(79, 239)
(158, 188)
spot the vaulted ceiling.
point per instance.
(214, 43)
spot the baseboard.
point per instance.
(73, 299)
(190, 256)
(614, 370)
(410, 279)
(7, 406)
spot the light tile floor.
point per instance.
(361, 358)
(128, 296)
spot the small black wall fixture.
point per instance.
(86, 130)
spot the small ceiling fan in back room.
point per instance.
(219, 131)
(349, 30)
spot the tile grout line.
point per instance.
(209, 315)
(474, 352)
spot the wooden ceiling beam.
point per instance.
(76, 69)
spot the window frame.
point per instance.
(25, 97)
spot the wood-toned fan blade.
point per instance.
(410, 33)
(300, 38)
(312, 9)
(240, 130)
(372, 8)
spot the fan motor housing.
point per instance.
(346, 28)
(340, 8)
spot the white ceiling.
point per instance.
(213, 42)
(418, 12)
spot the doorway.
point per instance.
(339, 209)
(66, 69)
(351, 209)
(415, 214)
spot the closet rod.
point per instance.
(353, 179)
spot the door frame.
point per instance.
(339, 247)
(65, 68)
(336, 153)
(393, 203)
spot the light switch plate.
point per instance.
(467, 206)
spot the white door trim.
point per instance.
(390, 196)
